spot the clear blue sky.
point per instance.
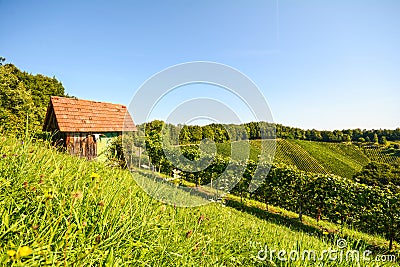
(320, 64)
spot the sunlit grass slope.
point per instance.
(58, 210)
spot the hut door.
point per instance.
(91, 147)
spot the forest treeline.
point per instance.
(24, 98)
(190, 134)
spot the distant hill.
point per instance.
(343, 159)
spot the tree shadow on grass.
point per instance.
(293, 223)
(296, 224)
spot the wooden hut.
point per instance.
(86, 127)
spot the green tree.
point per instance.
(375, 139)
(184, 135)
(24, 98)
(196, 134)
(378, 174)
(208, 132)
(16, 104)
(384, 140)
(346, 138)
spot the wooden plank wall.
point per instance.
(81, 144)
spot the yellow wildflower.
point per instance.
(24, 251)
(48, 195)
(21, 252)
(95, 175)
(11, 253)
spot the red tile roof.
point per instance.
(77, 115)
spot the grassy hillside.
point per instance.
(56, 209)
(343, 159)
(292, 153)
